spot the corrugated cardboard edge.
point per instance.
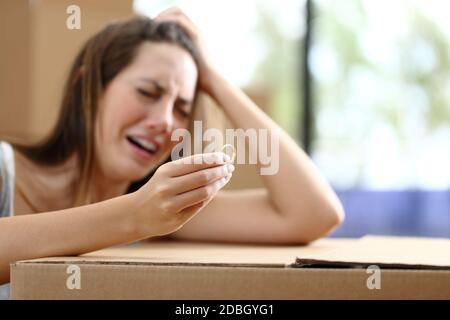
(149, 263)
(48, 281)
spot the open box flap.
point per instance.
(387, 252)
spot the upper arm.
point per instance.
(6, 180)
(2, 184)
(238, 216)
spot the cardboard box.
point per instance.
(37, 52)
(415, 269)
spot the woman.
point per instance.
(130, 87)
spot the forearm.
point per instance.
(297, 190)
(176, 192)
(68, 232)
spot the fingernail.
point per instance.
(226, 157)
(230, 168)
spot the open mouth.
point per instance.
(144, 145)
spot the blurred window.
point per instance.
(255, 44)
(381, 76)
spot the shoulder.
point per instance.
(1, 169)
(6, 178)
(3, 150)
(6, 152)
(6, 159)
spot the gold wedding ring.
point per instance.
(227, 146)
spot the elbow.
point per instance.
(321, 223)
(335, 215)
(331, 216)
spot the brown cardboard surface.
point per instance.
(198, 253)
(387, 252)
(48, 281)
(186, 270)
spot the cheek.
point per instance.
(178, 124)
(182, 123)
(120, 115)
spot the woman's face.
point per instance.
(141, 107)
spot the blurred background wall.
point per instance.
(37, 50)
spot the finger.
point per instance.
(201, 194)
(177, 12)
(182, 20)
(167, 14)
(196, 162)
(172, 11)
(200, 178)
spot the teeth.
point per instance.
(146, 144)
(160, 139)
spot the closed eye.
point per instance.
(182, 112)
(149, 94)
(183, 108)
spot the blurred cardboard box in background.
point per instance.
(37, 51)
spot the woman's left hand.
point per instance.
(206, 68)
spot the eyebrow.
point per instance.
(164, 89)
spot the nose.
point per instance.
(160, 117)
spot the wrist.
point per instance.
(145, 223)
(213, 82)
(138, 216)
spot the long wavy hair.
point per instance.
(101, 59)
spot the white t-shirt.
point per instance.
(6, 193)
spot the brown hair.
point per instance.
(103, 56)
